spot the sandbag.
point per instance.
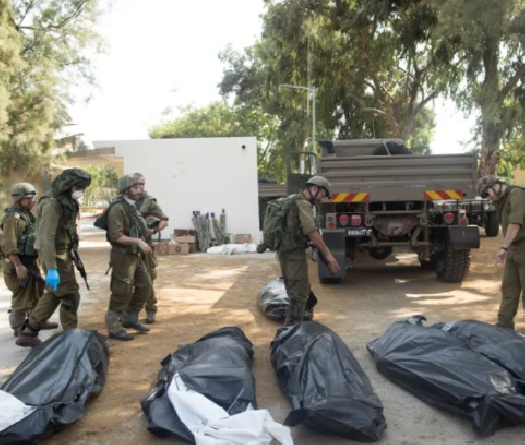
(439, 369)
(325, 384)
(55, 381)
(505, 347)
(218, 366)
(272, 301)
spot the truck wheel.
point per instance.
(452, 265)
(492, 224)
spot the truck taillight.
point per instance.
(356, 220)
(344, 219)
(449, 217)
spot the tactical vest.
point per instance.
(66, 236)
(137, 225)
(26, 240)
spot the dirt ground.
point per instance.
(200, 293)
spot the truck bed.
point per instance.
(401, 177)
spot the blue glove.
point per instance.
(53, 278)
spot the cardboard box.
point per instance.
(185, 239)
(183, 232)
(179, 249)
(242, 239)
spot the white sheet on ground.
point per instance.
(229, 249)
(212, 425)
(12, 410)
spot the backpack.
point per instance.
(277, 234)
(102, 222)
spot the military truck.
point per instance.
(385, 199)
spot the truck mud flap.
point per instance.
(335, 240)
(461, 237)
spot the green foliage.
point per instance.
(103, 184)
(487, 39)
(42, 47)
(219, 119)
(373, 64)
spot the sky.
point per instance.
(164, 53)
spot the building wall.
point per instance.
(208, 175)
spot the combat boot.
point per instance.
(115, 328)
(121, 335)
(27, 336)
(151, 317)
(47, 325)
(131, 321)
(294, 313)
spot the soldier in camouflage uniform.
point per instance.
(56, 236)
(511, 207)
(130, 280)
(21, 269)
(157, 221)
(302, 227)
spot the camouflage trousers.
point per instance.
(151, 265)
(513, 285)
(66, 296)
(294, 268)
(130, 282)
(25, 294)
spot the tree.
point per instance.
(219, 119)
(487, 37)
(373, 63)
(103, 184)
(42, 52)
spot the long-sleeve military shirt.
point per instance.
(149, 206)
(14, 226)
(303, 214)
(52, 237)
(512, 211)
(119, 223)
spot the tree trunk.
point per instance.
(490, 108)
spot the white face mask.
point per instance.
(76, 195)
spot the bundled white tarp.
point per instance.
(212, 425)
(230, 249)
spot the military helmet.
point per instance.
(72, 177)
(320, 181)
(140, 178)
(127, 181)
(485, 183)
(23, 190)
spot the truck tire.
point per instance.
(452, 265)
(492, 224)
